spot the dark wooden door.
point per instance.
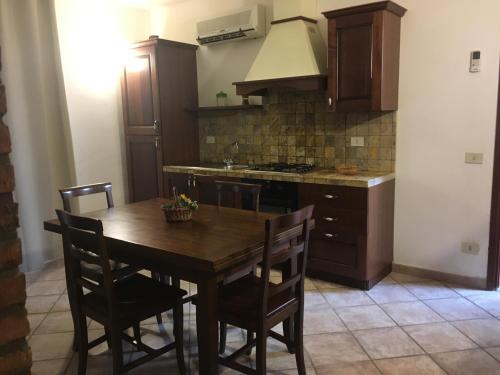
(144, 167)
(140, 90)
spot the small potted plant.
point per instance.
(181, 209)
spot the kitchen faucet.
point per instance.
(228, 160)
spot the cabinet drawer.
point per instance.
(331, 196)
(333, 251)
(337, 220)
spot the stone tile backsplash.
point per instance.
(294, 127)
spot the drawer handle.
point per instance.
(329, 196)
(327, 218)
(330, 235)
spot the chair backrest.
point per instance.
(287, 237)
(237, 189)
(83, 241)
(79, 191)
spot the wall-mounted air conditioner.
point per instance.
(248, 24)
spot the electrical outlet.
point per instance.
(210, 139)
(357, 141)
(470, 247)
(473, 158)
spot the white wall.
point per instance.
(444, 111)
(218, 65)
(93, 37)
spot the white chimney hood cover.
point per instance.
(291, 49)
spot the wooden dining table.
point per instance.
(216, 243)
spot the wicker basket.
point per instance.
(178, 214)
(347, 169)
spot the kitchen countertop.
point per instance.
(317, 176)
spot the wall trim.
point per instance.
(472, 282)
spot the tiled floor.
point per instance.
(404, 325)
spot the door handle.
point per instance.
(157, 142)
(156, 126)
(194, 181)
(330, 101)
(189, 181)
(327, 218)
(331, 235)
(329, 196)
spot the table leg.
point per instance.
(206, 321)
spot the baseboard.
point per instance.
(472, 282)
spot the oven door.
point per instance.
(276, 196)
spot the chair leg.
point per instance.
(178, 334)
(299, 343)
(261, 347)
(156, 276)
(137, 333)
(288, 333)
(82, 336)
(222, 337)
(117, 351)
(108, 338)
(249, 340)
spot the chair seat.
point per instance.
(139, 297)
(239, 302)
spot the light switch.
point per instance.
(210, 139)
(474, 158)
(357, 141)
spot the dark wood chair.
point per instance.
(91, 271)
(116, 303)
(257, 305)
(237, 189)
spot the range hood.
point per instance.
(293, 54)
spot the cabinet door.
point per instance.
(144, 167)
(350, 59)
(181, 182)
(140, 93)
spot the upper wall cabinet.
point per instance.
(363, 57)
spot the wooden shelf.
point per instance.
(228, 108)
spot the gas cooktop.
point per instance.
(283, 167)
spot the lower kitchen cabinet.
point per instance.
(198, 187)
(352, 242)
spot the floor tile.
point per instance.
(468, 362)
(278, 358)
(35, 320)
(484, 332)
(353, 368)
(439, 337)
(50, 367)
(313, 299)
(344, 297)
(457, 309)
(322, 321)
(44, 288)
(364, 317)
(52, 274)
(51, 346)
(418, 365)
(96, 365)
(55, 323)
(408, 313)
(490, 302)
(466, 291)
(309, 371)
(430, 290)
(495, 352)
(387, 293)
(40, 304)
(62, 304)
(333, 348)
(387, 343)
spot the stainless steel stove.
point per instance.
(283, 167)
